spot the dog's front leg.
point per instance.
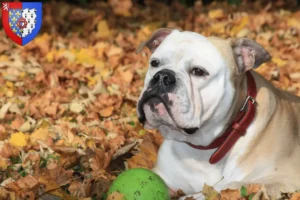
(183, 169)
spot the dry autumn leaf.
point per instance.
(24, 184)
(147, 155)
(18, 139)
(296, 196)
(115, 196)
(230, 194)
(210, 193)
(106, 112)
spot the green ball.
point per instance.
(140, 184)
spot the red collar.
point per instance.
(237, 128)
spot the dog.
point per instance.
(223, 124)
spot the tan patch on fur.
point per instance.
(276, 133)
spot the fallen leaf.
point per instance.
(210, 193)
(4, 194)
(26, 183)
(18, 139)
(115, 196)
(230, 194)
(4, 110)
(40, 134)
(296, 196)
(3, 164)
(17, 122)
(216, 14)
(121, 7)
(106, 112)
(76, 107)
(103, 29)
(146, 158)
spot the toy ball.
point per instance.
(140, 184)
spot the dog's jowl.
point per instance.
(223, 123)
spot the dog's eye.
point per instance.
(199, 72)
(154, 63)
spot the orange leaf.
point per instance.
(106, 112)
(115, 196)
(230, 194)
(25, 183)
(296, 196)
(146, 158)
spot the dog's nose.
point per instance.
(190, 131)
(164, 78)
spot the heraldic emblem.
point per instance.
(22, 20)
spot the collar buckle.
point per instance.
(253, 101)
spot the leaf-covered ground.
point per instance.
(67, 99)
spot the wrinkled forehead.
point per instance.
(189, 46)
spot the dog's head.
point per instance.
(191, 83)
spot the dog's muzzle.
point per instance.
(162, 83)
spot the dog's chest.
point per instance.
(177, 161)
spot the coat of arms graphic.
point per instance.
(22, 20)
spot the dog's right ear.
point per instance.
(155, 40)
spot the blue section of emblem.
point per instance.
(14, 16)
(37, 8)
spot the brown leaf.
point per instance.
(79, 189)
(146, 158)
(121, 7)
(115, 196)
(99, 159)
(17, 122)
(230, 194)
(4, 194)
(51, 109)
(26, 183)
(3, 133)
(106, 112)
(59, 174)
(8, 151)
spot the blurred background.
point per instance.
(68, 122)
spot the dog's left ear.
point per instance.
(155, 40)
(248, 54)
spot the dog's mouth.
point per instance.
(152, 101)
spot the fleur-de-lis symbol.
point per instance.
(14, 19)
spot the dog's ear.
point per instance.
(248, 54)
(155, 40)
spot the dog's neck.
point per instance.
(240, 96)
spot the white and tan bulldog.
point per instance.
(223, 124)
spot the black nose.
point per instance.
(190, 131)
(164, 78)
